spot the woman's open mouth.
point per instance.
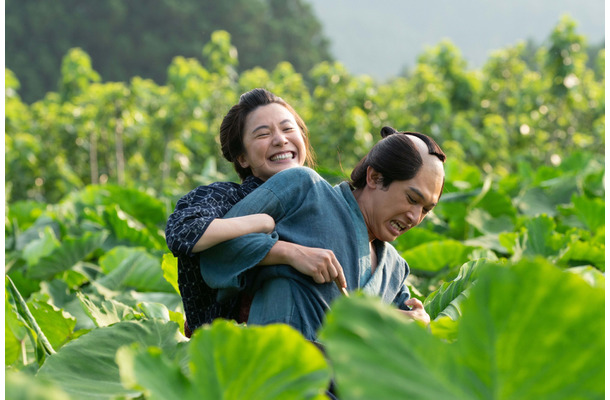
(283, 156)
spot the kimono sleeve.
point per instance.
(225, 265)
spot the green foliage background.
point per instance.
(502, 264)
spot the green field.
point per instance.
(510, 265)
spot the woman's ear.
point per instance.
(241, 159)
(373, 178)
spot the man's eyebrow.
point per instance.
(420, 194)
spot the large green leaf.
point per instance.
(590, 211)
(435, 256)
(106, 312)
(228, 361)
(86, 369)
(522, 336)
(142, 206)
(136, 268)
(71, 251)
(57, 325)
(437, 302)
(129, 231)
(497, 204)
(21, 386)
(170, 270)
(590, 275)
(43, 246)
(585, 252)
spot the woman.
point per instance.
(261, 135)
(391, 190)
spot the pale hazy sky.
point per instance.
(380, 37)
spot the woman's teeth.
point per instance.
(283, 156)
(398, 226)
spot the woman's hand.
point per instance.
(320, 264)
(417, 313)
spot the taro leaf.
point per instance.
(128, 231)
(33, 232)
(435, 256)
(443, 327)
(522, 336)
(43, 246)
(535, 202)
(133, 268)
(107, 312)
(438, 301)
(484, 222)
(21, 386)
(154, 310)
(24, 316)
(71, 251)
(455, 214)
(170, 270)
(228, 361)
(591, 275)
(86, 369)
(590, 211)
(142, 206)
(25, 212)
(159, 310)
(416, 237)
(538, 240)
(15, 331)
(589, 252)
(497, 204)
(57, 325)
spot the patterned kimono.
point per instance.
(185, 226)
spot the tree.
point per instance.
(125, 39)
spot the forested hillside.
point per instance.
(510, 265)
(131, 38)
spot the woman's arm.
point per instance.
(221, 230)
(196, 210)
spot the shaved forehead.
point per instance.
(430, 161)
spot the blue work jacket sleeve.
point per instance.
(225, 265)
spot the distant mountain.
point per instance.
(380, 38)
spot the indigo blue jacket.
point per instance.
(310, 212)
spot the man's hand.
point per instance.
(320, 264)
(417, 313)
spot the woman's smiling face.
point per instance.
(272, 141)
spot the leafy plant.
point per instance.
(520, 337)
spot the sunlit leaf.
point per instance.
(57, 325)
(435, 256)
(106, 312)
(504, 347)
(170, 270)
(225, 362)
(21, 386)
(128, 267)
(437, 302)
(64, 257)
(86, 367)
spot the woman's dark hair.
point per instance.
(395, 157)
(232, 127)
